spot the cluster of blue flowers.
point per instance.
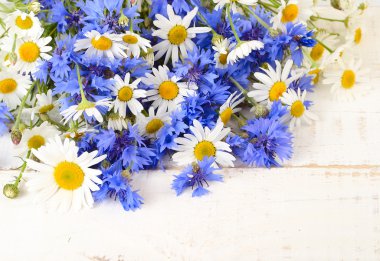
(83, 81)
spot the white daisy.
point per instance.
(221, 3)
(204, 143)
(349, 81)
(295, 102)
(30, 51)
(44, 104)
(74, 112)
(134, 43)
(292, 11)
(150, 125)
(126, 95)
(23, 24)
(229, 107)
(222, 49)
(243, 49)
(99, 45)
(273, 83)
(37, 136)
(115, 122)
(65, 180)
(322, 60)
(176, 34)
(167, 92)
(13, 87)
(355, 28)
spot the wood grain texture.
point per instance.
(324, 205)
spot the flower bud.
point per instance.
(16, 136)
(11, 58)
(44, 117)
(336, 4)
(216, 38)
(105, 164)
(34, 7)
(261, 111)
(10, 191)
(126, 174)
(123, 20)
(363, 6)
(196, 167)
(149, 57)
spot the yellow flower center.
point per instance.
(358, 36)
(103, 43)
(223, 58)
(29, 52)
(46, 108)
(24, 24)
(226, 115)
(317, 52)
(68, 175)
(204, 149)
(277, 90)
(297, 109)
(154, 125)
(7, 86)
(36, 142)
(316, 73)
(177, 34)
(125, 94)
(168, 90)
(290, 13)
(348, 79)
(130, 39)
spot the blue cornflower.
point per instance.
(60, 62)
(127, 146)
(305, 83)
(170, 131)
(101, 14)
(267, 141)
(43, 71)
(196, 176)
(116, 186)
(293, 38)
(59, 15)
(5, 118)
(158, 7)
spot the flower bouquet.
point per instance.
(94, 91)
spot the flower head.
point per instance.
(197, 177)
(176, 34)
(65, 179)
(202, 143)
(268, 142)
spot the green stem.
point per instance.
(22, 170)
(83, 96)
(60, 126)
(241, 122)
(267, 6)
(22, 105)
(325, 46)
(261, 21)
(14, 43)
(205, 21)
(244, 91)
(328, 19)
(232, 24)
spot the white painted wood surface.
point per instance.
(323, 206)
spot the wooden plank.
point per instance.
(257, 214)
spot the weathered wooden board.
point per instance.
(324, 205)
